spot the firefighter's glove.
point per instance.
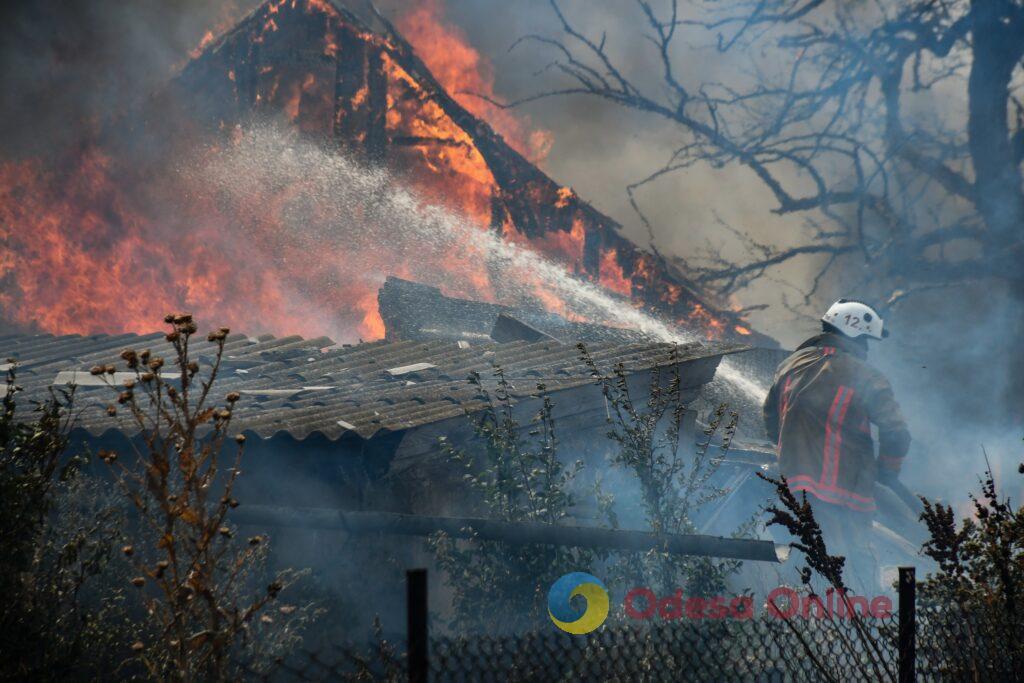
(887, 477)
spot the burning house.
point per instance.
(447, 364)
(353, 85)
(138, 198)
(362, 87)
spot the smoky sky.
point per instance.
(67, 65)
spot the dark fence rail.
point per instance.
(514, 533)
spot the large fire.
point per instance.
(101, 240)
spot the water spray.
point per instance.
(353, 210)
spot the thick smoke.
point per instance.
(67, 68)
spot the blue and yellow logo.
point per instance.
(560, 607)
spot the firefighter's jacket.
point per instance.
(820, 410)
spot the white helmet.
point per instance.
(854, 319)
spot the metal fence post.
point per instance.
(907, 626)
(416, 634)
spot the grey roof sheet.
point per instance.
(305, 386)
(412, 310)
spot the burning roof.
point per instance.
(126, 225)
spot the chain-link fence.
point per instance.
(764, 649)
(921, 643)
(950, 646)
(954, 644)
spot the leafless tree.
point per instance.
(894, 128)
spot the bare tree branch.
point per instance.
(826, 134)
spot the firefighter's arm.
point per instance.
(893, 435)
(771, 413)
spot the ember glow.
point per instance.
(104, 238)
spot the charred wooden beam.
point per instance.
(417, 141)
(246, 60)
(360, 97)
(592, 244)
(515, 533)
(350, 78)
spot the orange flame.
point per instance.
(459, 177)
(701, 318)
(564, 195)
(205, 42)
(372, 323)
(611, 274)
(83, 259)
(467, 76)
(562, 245)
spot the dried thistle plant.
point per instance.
(797, 517)
(858, 646)
(206, 615)
(972, 598)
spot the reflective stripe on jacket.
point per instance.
(820, 410)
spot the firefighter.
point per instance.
(819, 412)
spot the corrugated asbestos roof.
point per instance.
(305, 386)
(411, 310)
